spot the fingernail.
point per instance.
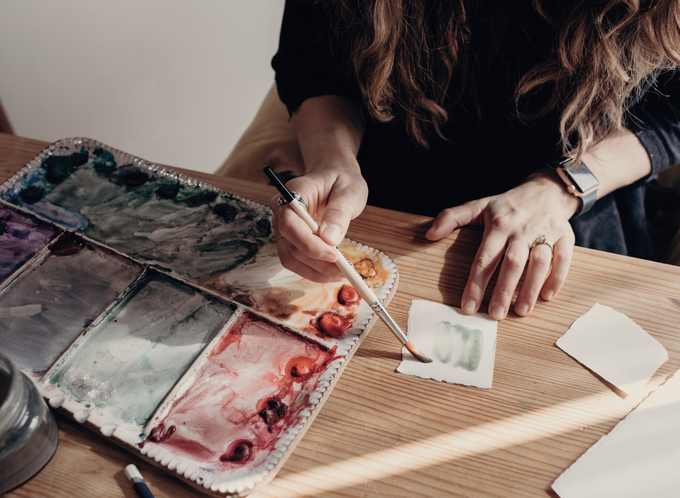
(548, 295)
(332, 233)
(497, 312)
(522, 309)
(330, 257)
(470, 306)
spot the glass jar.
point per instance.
(28, 431)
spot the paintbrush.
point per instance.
(347, 268)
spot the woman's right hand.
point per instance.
(329, 130)
(335, 196)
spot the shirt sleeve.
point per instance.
(308, 64)
(655, 119)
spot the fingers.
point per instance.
(562, 253)
(334, 201)
(545, 272)
(513, 265)
(300, 251)
(538, 268)
(486, 260)
(298, 234)
(309, 268)
(512, 221)
(450, 219)
(344, 204)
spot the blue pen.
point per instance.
(132, 473)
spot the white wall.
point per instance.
(174, 82)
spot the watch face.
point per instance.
(582, 178)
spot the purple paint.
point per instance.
(21, 238)
(50, 303)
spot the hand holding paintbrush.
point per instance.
(347, 269)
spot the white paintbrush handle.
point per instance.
(300, 209)
(353, 276)
(348, 269)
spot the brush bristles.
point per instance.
(416, 353)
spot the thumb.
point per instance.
(450, 219)
(343, 206)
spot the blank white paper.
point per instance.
(640, 457)
(614, 347)
(462, 347)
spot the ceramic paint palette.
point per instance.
(154, 309)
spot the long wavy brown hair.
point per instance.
(406, 53)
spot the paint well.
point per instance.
(187, 229)
(251, 387)
(267, 287)
(126, 365)
(50, 304)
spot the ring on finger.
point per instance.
(541, 240)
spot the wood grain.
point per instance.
(385, 434)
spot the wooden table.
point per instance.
(384, 434)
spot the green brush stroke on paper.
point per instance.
(459, 346)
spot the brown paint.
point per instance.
(347, 296)
(332, 325)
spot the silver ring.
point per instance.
(541, 240)
(281, 201)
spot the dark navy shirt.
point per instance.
(487, 150)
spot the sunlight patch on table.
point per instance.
(464, 443)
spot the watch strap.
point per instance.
(580, 182)
(587, 201)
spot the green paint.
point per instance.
(459, 346)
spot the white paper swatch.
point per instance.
(462, 347)
(640, 457)
(614, 347)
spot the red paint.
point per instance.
(67, 244)
(234, 336)
(273, 410)
(239, 451)
(332, 325)
(254, 385)
(347, 296)
(158, 434)
(301, 369)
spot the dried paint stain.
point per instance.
(188, 230)
(252, 386)
(48, 306)
(134, 357)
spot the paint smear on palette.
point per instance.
(251, 387)
(21, 238)
(187, 229)
(462, 347)
(53, 301)
(126, 366)
(322, 311)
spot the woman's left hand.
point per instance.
(512, 222)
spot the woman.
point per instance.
(456, 109)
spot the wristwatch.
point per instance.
(580, 182)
